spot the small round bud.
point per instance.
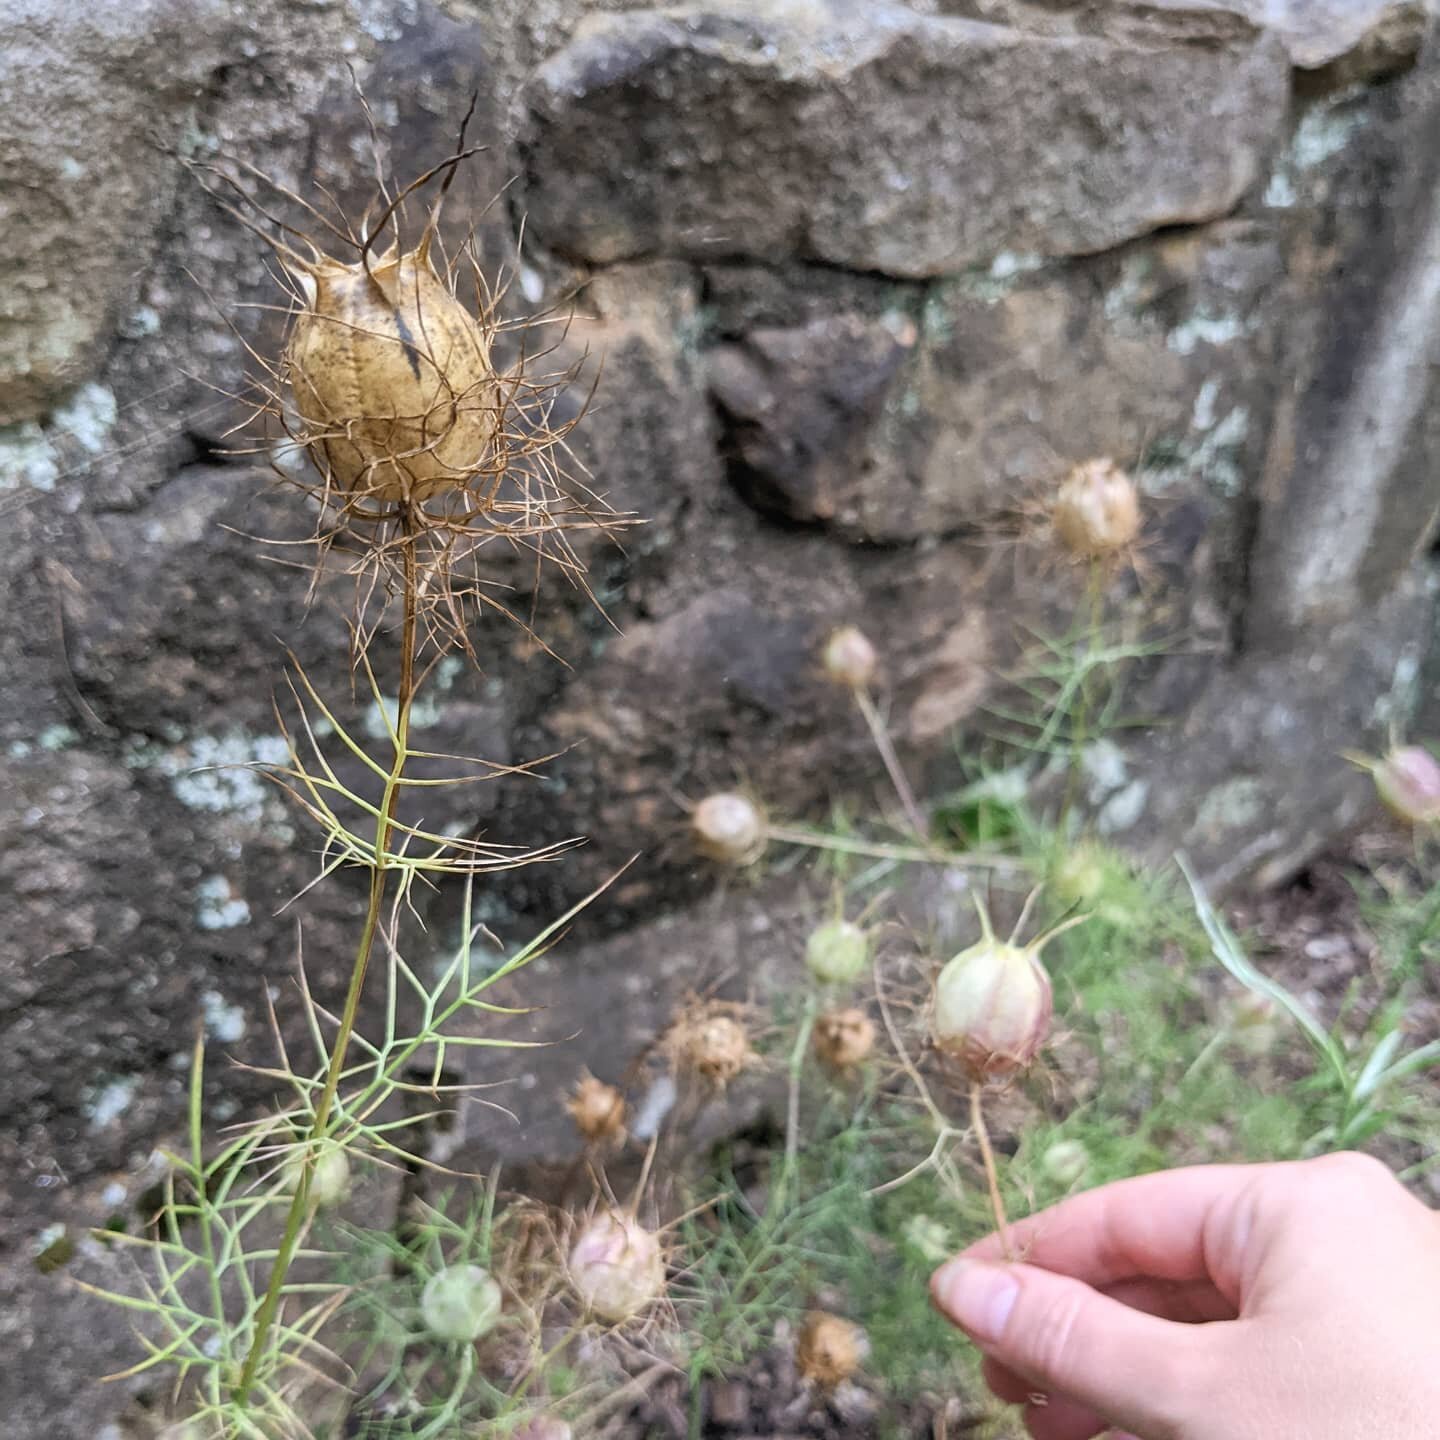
(991, 1009)
(843, 1038)
(1078, 876)
(1408, 783)
(1254, 1022)
(849, 658)
(837, 952)
(829, 1350)
(928, 1238)
(1066, 1162)
(1097, 510)
(597, 1109)
(728, 828)
(715, 1046)
(329, 1178)
(460, 1303)
(616, 1267)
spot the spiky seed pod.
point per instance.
(844, 1038)
(460, 1303)
(597, 1109)
(1097, 510)
(849, 659)
(991, 1005)
(715, 1046)
(928, 1238)
(1255, 1022)
(392, 376)
(829, 1350)
(1066, 1162)
(616, 1267)
(1407, 780)
(837, 952)
(1078, 875)
(729, 828)
(330, 1178)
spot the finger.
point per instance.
(1060, 1419)
(1067, 1339)
(1154, 1225)
(1005, 1384)
(1195, 1304)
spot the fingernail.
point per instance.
(976, 1296)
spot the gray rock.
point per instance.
(868, 136)
(93, 96)
(972, 397)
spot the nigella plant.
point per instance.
(423, 452)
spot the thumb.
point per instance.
(1135, 1371)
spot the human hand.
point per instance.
(1307, 1297)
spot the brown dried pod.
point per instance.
(729, 828)
(718, 1048)
(849, 659)
(829, 1350)
(597, 1109)
(392, 376)
(843, 1038)
(1097, 510)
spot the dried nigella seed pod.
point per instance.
(392, 376)
(597, 1109)
(1097, 510)
(829, 1350)
(616, 1267)
(844, 1038)
(727, 827)
(849, 659)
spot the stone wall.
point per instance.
(866, 277)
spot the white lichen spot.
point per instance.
(424, 712)
(1217, 458)
(1232, 805)
(88, 417)
(1391, 709)
(1325, 130)
(56, 737)
(218, 774)
(52, 1234)
(1280, 192)
(223, 1021)
(1206, 328)
(1123, 808)
(108, 1102)
(1202, 417)
(142, 321)
(27, 458)
(218, 907)
(1103, 763)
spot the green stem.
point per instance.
(992, 1173)
(914, 816)
(792, 1112)
(300, 1203)
(1095, 604)
(929, 855)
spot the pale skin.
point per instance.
(1228, 1302)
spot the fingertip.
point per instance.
(976, 1295)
